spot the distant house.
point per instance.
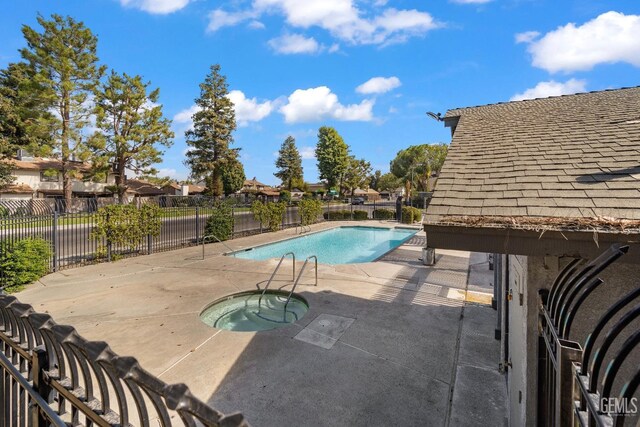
(393, 194)
(539, 183)
(318, 187)
(175, 189)
(142, 189)
(369, 194)
(41, 178)
(296, 194)
(252, 186)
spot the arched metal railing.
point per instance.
(569, 392)
(50, 375)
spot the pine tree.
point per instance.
(333, 156)
(132, 127)
(289, 163)
(211, 136)
(64, 63)
(232, 176)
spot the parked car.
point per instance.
(357, 201)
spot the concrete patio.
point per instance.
(390, 342)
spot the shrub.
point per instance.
(309, 210)
(269, 214)
(220, 222)
(285, 196)
(125, 226)
(417, 214)
(337, 215)
(407, 215)
(24, 262)
(360, 215)
(383, 214)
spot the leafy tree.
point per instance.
(374, 179)
(22, 120)
(289, 163)
(357, 174)
(160, 181)
(131, 128)
(63, 63)
(415, 164)
(232, 176)
(389, 182)
(211, 136)
(333, 156)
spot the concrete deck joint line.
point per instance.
(188, 354)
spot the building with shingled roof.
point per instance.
(540, 183)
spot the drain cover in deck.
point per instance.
(325, 330)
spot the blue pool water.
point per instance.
(341, 245)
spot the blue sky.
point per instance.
(369, 68)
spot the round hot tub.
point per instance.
(252, 311)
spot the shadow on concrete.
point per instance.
(394, 365)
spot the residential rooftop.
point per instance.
(566, 161)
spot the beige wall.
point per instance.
(32, 179)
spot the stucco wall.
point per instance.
(527, 275)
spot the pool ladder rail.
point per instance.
(213, 236)
(296, 280)
(303, 229)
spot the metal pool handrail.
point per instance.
(274, 274)
(302, 228)
(306, 261)
(209, 236)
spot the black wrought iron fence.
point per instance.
(574, 387)
(52, 376)
(183, 223)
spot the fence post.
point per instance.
(54, 237)
(351, 207)
(149, 244)
(198, 223)
(39, 362)
(108, 240)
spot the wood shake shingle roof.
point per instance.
(568, 157)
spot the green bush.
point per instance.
(220, 222)
(4, 212)
(407, 215)
(336, 215)
(269, 214)
(417, 214)
(285, 196)
(310, 210)
(23, 262)
(124, 226)
(360, 215)
(383, 214)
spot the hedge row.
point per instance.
(23, 262)
(358, 215)
(383, 214)
(411, 215)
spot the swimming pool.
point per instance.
(340, 245)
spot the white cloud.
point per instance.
(609, 38)
(551, 88)
(293, 44)
(256, 25)
(341, 18)
(249, 109)
(308, 153)
(379, 85)
(184, 118)
(315, 104)
(246, 109)
(219, 18)
(160, 7)
(172, 173)
(526, 37)
(470, 1)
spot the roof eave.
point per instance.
(582, 244)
